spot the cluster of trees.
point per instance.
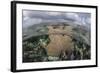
(81, 51)
(33, 51)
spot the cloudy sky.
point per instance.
(31, 17)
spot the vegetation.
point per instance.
(35, 48)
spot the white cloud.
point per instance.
(53, 13)
(73, 16)
(88, 20)
(25, 18)
(31, 21)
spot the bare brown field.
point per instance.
(59, 43)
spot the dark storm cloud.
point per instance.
(36, 17)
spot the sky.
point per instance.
(31, 17)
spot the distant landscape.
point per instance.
(52, 37)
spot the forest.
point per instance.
(58, 43)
